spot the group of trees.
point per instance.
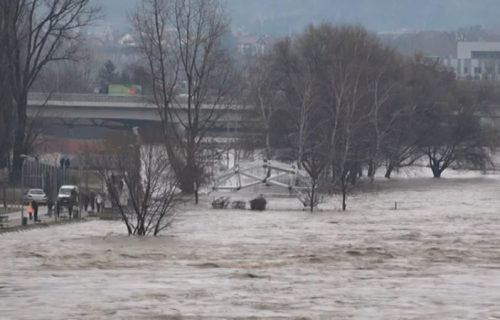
(351, 103)
(335, 97)
(192, 83)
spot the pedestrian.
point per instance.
(86, 201)
(72, 201)
(92, 200)
(34, 205)
(50, 206)
(98, 202)
(30, 211)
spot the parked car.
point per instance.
(35, 194)
(67, 199)
(68, 194)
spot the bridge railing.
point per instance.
(38, 96)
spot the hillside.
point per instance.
(283, 16)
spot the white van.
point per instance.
(66, 197)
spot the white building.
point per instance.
(476, 60)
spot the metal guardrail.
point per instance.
(36, 96)
(102, 98)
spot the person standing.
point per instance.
(92, 200)
(34, 205)
(30, 210)
(72, 201)
(85, 197)
(98, 202)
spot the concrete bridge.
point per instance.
(97, 112)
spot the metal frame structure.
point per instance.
(273, 172)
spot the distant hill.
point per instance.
(285, 16)
(289, 16)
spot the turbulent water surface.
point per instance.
(436, 257)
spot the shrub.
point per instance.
(258, 203)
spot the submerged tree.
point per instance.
(340, 86)
(453, 133)
(144, 176)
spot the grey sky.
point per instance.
(283, 16)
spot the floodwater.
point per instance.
(436, 257)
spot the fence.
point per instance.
(40, 175)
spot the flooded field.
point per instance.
(436, 257)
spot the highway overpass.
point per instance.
(98, 113)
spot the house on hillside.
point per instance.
(252, 45)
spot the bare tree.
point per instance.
(66, 77)
(453, 134)
(264, 94)
(315, 160)
(298, 83)
(385, 109)
(191, 73)
(42, 31)
(413, 93)
(347, 79)
(7, 110)
(143, 174)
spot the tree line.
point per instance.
(340, 102)
(333, 99)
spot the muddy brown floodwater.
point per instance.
(436, 257)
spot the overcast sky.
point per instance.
(283, 16)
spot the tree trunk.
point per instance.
(20, 137)
(371, 170)
(436, 172)
(5, 136)
(353, 175)
(268, 144)
(4, 197)
(196, 193)
(344, 183)
(4, 154)
(187, 178)
(389, 170)
(313, 195)
(344, 199)
(17, 165)
(436, 168)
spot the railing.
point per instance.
(79, 97)
(36, 96)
